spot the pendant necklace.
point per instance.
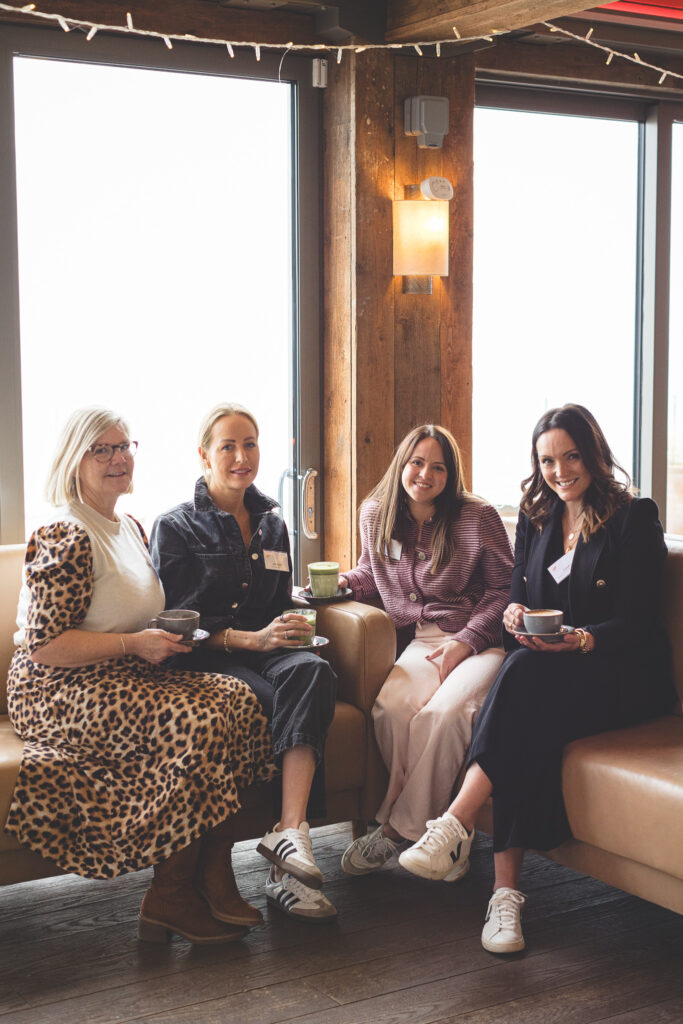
(574, 533)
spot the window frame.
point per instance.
(653, 247)
(306, 236)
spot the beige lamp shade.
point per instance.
(421, 237)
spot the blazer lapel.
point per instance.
(538, 561)
(583, 570)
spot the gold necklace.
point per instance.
(573, 534)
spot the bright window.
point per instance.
(554, 281)
(674, 490)
(155, 263)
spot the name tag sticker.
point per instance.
(395, 549)
(560, 569)
(276, 560)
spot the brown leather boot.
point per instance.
(171, 904)
(215, 880)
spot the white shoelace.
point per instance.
(301, 891)
(506, 908)
(379, 845)
(302, 841)
(439, 832)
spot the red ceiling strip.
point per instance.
(673, 9)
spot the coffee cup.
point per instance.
(543, 620)
(305, 639)
(324, 578)
(177, 620)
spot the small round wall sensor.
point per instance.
(436, 188)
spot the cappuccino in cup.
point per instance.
(543, 620)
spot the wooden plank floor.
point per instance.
(402, 951)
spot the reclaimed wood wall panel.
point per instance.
(457, 289)
(417, 365)
(374, 361)
(395, 360)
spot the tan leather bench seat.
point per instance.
(624, 793)
(10, 759)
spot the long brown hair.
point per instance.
(605, 494)
(393, 500)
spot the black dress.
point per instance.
(539, 701)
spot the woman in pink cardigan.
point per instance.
(440, 560)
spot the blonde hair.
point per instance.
(80, 431)
(209, 422)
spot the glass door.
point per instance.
(167, 263)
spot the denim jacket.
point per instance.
(200, 556)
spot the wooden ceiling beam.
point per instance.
(417, 20)
(178, 17)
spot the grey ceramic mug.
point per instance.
(176, 620)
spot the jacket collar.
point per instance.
(586, 557)
(257, 502)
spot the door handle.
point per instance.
(308, 504)
(286, 474)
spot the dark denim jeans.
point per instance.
(297, 691)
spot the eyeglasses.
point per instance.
(106, 452)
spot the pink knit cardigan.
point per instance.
(465, 598)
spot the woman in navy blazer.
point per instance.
(586, 546)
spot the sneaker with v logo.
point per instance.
(443, 852)
(291, 850)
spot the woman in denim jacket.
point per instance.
(226, 555)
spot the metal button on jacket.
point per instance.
(421, 555)
(413, 597)
(255, 557)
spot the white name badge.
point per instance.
(395, 549)
(560, 569)
(276, 560)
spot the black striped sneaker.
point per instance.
(298, 900)
(291, 850)
(442, 853)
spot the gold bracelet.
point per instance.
(583, 641)
(123, 645)
(226, 646)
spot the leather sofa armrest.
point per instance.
(361, 651)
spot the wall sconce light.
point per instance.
(421, 234)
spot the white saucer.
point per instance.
(549, 638)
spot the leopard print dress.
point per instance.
(124, 762)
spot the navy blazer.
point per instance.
(615, 591)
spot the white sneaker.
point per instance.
(291, 850)
(368, 853)
(503, 929)
(298, 900)
(442, 853)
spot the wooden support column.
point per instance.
(391, 360)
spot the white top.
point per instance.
(127, 592)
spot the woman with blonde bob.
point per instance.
(440, 560)
(225, 553)
(126, 765)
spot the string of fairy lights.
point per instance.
(91, 28)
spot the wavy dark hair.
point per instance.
(393, 500)
(605, 494)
